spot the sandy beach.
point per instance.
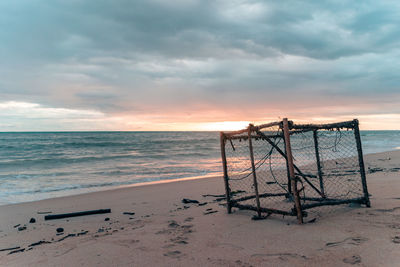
(149, 225)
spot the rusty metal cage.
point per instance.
(286, 168)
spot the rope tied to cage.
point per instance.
(261, 161)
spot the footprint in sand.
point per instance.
(224, 262)
(355, 259)
(189, 219)
(178, 234)
(173, 254)
(348, 241)
(281, 256)
(179, 240)
(388, 210)
(127, 243)
(137, 224)
(393, 225)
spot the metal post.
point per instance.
(254, 171)
(321, 182)
(361, 163)
(293, 179)
(225, 168)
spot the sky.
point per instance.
(79, 65)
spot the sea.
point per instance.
(41, 165)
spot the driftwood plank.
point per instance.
(6, 249)
(75, 214)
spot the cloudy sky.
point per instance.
(197, 65)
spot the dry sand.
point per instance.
(165, 232)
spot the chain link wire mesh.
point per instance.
(326, 162)
(270, 165)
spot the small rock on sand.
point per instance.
(173, 224)
(32, 220)
(187, 201)
(396, 239)
(60, 230)
(173, 254)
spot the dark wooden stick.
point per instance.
(266, 210)
(329, 126)
(260, 196)
(361, 163)
(225, 168)
(293, 179)
(75, 214)
(253, 167)
(267, 125)
(245, 136)
(6, 249)
(321, 182)
(319, 199)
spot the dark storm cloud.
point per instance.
(155, 56)
(64, 29)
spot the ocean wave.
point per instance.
(94, 185)
(60, 161)
(29, 176)
(42, 165)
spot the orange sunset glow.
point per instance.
(247, 62)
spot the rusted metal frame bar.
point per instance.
(329, 126)
(321, 181)
(319, 199)
(260, 196)
(225, 168)
(333, 202)
(295, 167)
(293, 179)
(361, 163)
(300, 127)
(340, 174)
(253, 167)
(267, 125)
(266, 210)
(244, 137)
